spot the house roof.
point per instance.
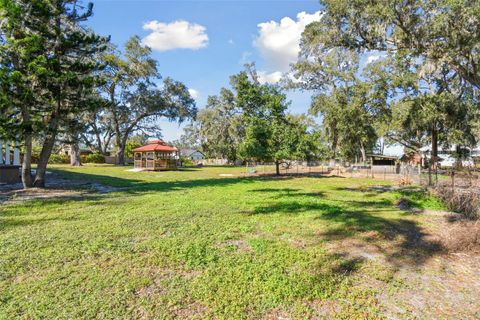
(189, 152)
(382, 156)
(155, 145)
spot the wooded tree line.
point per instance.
(61, 82)
(422, 89)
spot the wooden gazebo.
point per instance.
(156, 155)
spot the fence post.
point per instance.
(384, 173)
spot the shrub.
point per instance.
(186, 162)
(464, 201)
(58, 159)
(94, 158)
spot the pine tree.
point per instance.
(49, 64)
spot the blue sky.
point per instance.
(234, 37)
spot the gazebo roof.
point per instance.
(155, 145)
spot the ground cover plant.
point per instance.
(194, 244)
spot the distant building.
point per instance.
(382, 160)
(192, 154)
(383, 163)
(452, 156)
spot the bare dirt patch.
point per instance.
(57, 187)
(414, 282)
(446, 287)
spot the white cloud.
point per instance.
(230, 41)
(279, 42)
(194, 93)
(175, 35)
(272, 78)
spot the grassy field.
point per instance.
(194, 244)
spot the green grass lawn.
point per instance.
(193, 244)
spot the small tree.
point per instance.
(270, 134)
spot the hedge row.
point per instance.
(64, 159)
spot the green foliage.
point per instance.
(218, 128)
(420, 92)
(132, 143)
(49, 70)
(93, 158)
(341, 99)
(270, 135)
(59, 159)
(440, 31)
(185, 161)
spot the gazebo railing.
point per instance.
(154, 164)
(138, 163)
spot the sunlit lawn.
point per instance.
(194, 244)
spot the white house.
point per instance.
(448, 156)
(192, 154)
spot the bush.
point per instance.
(94, 158)
(464, 201)
(58, 159)
(186, 162)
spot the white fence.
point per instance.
(211, 162)
(6, 153)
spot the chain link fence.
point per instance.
(404, 174)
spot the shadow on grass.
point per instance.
(133, 186)
(401, 241)
(288, 193)
(138, 185)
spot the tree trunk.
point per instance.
(364, 155)
(75, 155)
(121, 143)
(47, 148)
(277, 168)
(434, 148)
(27, 162)
(121, 156)
(43, 161)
